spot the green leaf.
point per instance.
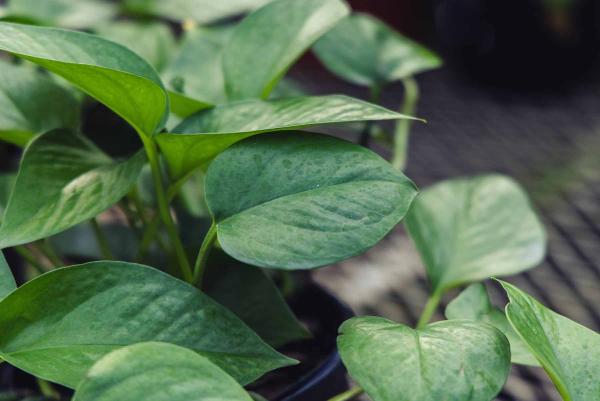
(249, 293)
(451, 360)
(153, 41)
(202, 136)
(7, 182)
(24, 106)
(103, 69)
(75, 14)
(76, 315)
(300, 200)
(365, 51)
(157, 372)
(267, 42)
(568, 351)
(7, 281)
(474, 304)
(72, 181)
(470, 229)
(202, 11)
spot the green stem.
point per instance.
(165, 213)
(207, 244)
(102, 240)
(47, 389)
(402, 131)
(348, 395)
(48, 251)
(430, 308)
(31, 259)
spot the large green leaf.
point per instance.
(105, 70)
(25, 109)
(63, 180)
(451, 360)
(157, 372)
(363, 50)
(77, 314)
(249, 293)
(470, 229)
(568, 351)
(76, 14)
(202, 136)
(299, 200)
(474, 304)
(266, 43)
(7, 281)
(152, 40)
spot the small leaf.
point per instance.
(470, 229)
(449, 360)
(153, 41)
(72, 181)
(76, 315)
(24, 106)
(7, 281)
(299, 200)
(568, 352)
(157, 372)
(75, 14)
(249, 293)
(474, 304)
(365, 51)
(202, 136)
(266, 43)
(103, 69)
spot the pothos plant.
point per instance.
(279, 200)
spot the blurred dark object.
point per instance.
(520, 42)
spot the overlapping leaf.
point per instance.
(450, 360)
(157, 372)
(470, 229)
(568, 351)
(76, 14)
(25, 109)
(202, 136)
(6, 184)
(63, 180)
(363, 50)
(105, 70)
(7, 281)
(299, 200)
(98, 307)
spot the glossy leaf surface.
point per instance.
(299, 200)
(450, 360)
(25, 109)
(568, 351)
(75, 14)
(255, 59)
(470, 229)
(73, 181)
(474, 304)
(157, 372)
(202, 136)
(7, 281)
(365, 51)
(102, 306)
(249, 293)
(105, 70)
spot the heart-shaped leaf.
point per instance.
(568, 351)
(75, 14)
(470, 229)
(365, 51)
(299, 200)
(73, 181)
(474, 304)
(249, 293)
(154, 42)
(24, 106)
(103, 69)
(266, 43)
(450, 360)
(98, 307)
(202, 136)
(157, 372)
(7, 281)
